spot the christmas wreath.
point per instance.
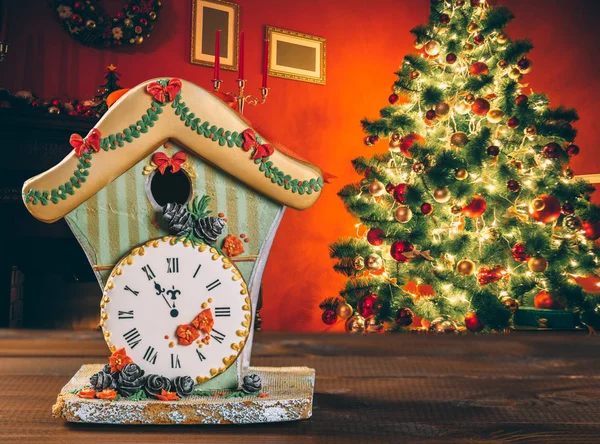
(89, 23)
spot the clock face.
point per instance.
(178, 309)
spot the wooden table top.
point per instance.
(525, 387)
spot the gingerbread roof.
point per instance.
(138, 123)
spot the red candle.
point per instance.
(265, 64)
(241, 70)
(217, 72)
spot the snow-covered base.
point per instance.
(289, 389)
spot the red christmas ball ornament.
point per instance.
(451, 59)
(490, 275)
(444, 19)
(479, 69)
(430, 114)
(493, 150)
(371, 140)
(120, 15)
(513, 186)
(567, 208)
(375, 236)
(78, 6)
(473, 323)
(390, 188)
(76, 19)
(366, 306)
(426, 208)
(480, 107)
(409, 141)
(524, 65)
(56, 102)
(475, 208)
(551, 151)
(519, 254)
(521, 100)
(545, 208)
(572, 150)
(400, 192)
(143, 22)
(398, 248)
(513, 123)
(393, 98)
(544, 300)
(592, 230)
(478, 39)
(329, 317)
(404, 317)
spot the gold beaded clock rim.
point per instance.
(128, 259)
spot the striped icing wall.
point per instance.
(120, 216)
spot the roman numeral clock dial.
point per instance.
(177, 308)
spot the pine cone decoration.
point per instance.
(179, 218)
(131, 380)
(102, 380)
(251, 384)
(183, 385)
(209, 228)
(155, 384)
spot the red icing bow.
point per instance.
(250, 142)
(163, 161)
(81, 145)
(162, 93)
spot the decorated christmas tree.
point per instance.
(111, 85)
(467, 206)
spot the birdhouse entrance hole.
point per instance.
(169, 188)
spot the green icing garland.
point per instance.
(212, 132)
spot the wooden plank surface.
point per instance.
(525, 387)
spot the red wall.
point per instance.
(365, 44)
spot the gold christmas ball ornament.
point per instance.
(530, 131)
(495, 115)
(470, 98)
(443, 325)
(396, 137)
(54, 110)
(376, 188)
(459, 139)
(461, 174)
(456, 209)
(468, 47)
(502, 38)
(538, 204)
(90, 24)
(152, 15)
(358, 263)
(403, 214)
(510, 303)
(514, 74)
(395, 142)
(355, 325)
(418, 45)
(537, 264)
(138, 39)
(373, 262)
(414, 75)
(503, 64)
(465, 267)
(344, 310)
(472, 28)
(441, 195)
(432, 48)
(462, 107)
(442, 109)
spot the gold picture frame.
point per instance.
(296, 56)
(207, 17)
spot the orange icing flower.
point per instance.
(232, 246)
(204, 321)
(109, 394)
(87, 393)
(186, 334)
(167, 396)
(118, 360)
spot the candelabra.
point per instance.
(3, 51)
(239, 96)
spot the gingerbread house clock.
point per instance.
(176, 199)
